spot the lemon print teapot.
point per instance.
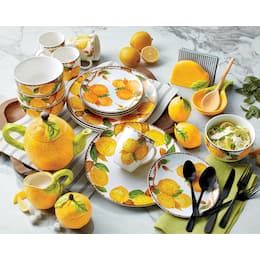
(49, 141)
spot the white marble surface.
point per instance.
(18, 43)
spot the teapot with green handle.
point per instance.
(49, 141)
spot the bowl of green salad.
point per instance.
(229, 137)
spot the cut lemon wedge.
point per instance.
(150, 54)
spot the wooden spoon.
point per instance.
(211, 101)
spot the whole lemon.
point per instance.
(73, 210)
(140, 40)
(179, 109)
(187, 135)
(129, 56)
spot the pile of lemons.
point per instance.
(187, 134)
(140, 47)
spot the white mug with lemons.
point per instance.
(133, 149)
(89, 47)
(42, 189)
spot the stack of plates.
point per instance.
(111, 92)
(110, 95)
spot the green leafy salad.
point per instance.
(229, 136)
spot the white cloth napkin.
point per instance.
(165, 93)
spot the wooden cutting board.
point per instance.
(10, 112)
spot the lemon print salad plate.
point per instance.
(86, 118)
(172, 192)
(113, 182)
(111, 89)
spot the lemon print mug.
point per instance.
(133, 149)
(42, 189)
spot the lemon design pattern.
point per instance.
(125, 90)
(99, 165)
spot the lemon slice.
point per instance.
(150, 54)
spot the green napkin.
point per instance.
(173, 225)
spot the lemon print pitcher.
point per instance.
(42, 189)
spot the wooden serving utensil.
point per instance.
(211, 101)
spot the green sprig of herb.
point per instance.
(251, 90)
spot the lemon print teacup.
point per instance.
(133, 149)
(42, 189)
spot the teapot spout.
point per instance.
(80, 141)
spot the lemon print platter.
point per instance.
(86, 118)
(172, 192)
(113, 182)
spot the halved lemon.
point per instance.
(150, 54)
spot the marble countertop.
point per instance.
(243, 43)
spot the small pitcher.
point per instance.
(42, 189)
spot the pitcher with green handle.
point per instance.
(42, 189)
(49, 141)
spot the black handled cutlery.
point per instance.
(241, 185)
(189, 173)
(207, 182)
(227, 187)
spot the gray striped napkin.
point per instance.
(165, 93)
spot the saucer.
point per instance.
(114, 183)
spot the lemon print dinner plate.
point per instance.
(169, 189)
(111, 90)
(84, 117)
(109, 179)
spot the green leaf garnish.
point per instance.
(177, 193)
(182, 134)
(199, 84)
(171, 149)
(167, 139)
(81, 207)
(164, 161)
(52, 130)
(93, 153)
(186, 104)
(251, 89)
(108, 133)
(140, 77)
(102, 166)
(102, 189)
(135, 193)
(106, 122)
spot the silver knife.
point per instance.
(227, 187)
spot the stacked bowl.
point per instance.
(40, 85)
